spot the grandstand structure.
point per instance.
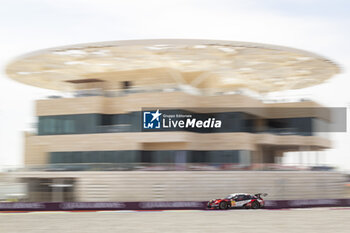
(94, 145)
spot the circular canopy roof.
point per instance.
(203, 65)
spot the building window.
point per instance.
(131, 122)
(162, 156)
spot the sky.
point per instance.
(319, 26)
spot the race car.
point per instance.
(238, 200)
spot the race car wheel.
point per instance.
(255, 205)
(223, 205)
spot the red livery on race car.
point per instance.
(238, 200)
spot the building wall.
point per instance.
(198, 185)
(38, 147)
(179, 100)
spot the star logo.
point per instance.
(151, 119)
(156, 115)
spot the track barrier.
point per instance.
(171, 205)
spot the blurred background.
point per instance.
(75, 132)
(78, 78)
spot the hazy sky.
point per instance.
(26, 25)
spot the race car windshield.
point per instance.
(229, 196)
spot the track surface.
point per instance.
(242, 221)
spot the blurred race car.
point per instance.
(238, 200)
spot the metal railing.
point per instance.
(171, 167)
(284, 131)
(115, 128)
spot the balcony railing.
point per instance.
(285, 131)
(114, 128)
(172, 167)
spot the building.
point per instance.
(94, 144)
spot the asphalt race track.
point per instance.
(179, 221)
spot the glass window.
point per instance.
(241, 197)
(198, 157)
(165, 156)
(135, 122)
(132, 122)
(146, 156)
(225, 156)
(106, 119)
(162, 157)
(121, 119)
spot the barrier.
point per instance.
(171, 205)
